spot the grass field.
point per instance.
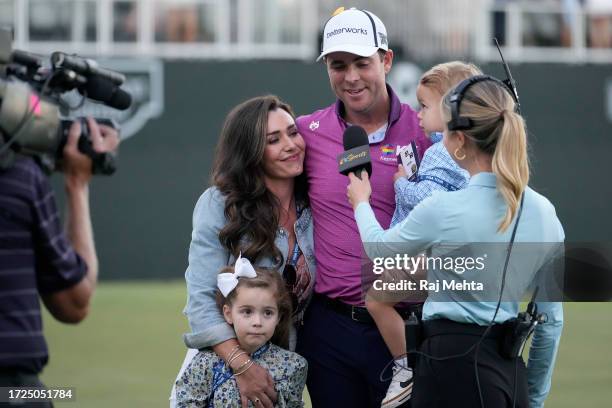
(128, 351)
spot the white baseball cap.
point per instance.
(355, 31)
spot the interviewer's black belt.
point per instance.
(358, 313)
(439, 327)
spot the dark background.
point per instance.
(142, 214)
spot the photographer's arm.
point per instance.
(71, 305)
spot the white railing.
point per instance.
(545, 31)
(533, 31)
(217, 29)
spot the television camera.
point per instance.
(34, 118)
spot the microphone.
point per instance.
(88, 68)
(356, 155)
(28, 59)
(107, 92)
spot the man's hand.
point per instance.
(77, 166)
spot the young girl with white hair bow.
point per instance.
(256, 303)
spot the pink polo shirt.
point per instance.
(337, 245)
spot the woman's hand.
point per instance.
(359, 190)
(256, 385)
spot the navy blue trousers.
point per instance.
(345, 359)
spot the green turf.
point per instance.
(128, 351)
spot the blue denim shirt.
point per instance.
(207, 256)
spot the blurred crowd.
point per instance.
(422, 29)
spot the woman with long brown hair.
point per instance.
(257, 208)
(461, 363)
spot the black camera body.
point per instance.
(102, 163)
(34, 120)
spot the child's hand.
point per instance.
(400, 173)
(359, 190)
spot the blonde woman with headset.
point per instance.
(459, 361)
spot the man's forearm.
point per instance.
(79, 228)
(71, 305)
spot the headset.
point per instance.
(459, 122)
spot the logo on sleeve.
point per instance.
(314, 125)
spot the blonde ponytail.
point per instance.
(497, 130)
(510, 164)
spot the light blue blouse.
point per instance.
(470, 217)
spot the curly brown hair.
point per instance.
(238, 174)
(270, 279)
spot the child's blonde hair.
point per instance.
(443, 77)
(270, 279)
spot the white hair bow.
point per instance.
(226, 282)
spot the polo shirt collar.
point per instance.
(484, 179)
(394, 112)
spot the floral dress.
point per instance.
(208, 382)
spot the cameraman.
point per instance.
(39, 257)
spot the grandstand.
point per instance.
(569, 31)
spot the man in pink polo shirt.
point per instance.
(344, 349)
